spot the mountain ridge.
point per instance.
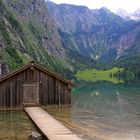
(64, 38)
(96, 33)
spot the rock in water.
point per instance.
(35, 136)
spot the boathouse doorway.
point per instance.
(31, 94)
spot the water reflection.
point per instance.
(103, 111)
(99, 111)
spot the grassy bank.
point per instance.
(99, 75)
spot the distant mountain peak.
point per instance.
(129, 16)
(105, 9)
(98, 34)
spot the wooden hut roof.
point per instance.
(33, 64)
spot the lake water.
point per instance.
(99, 111)
(15, 125)
(103, 111)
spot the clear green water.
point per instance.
(15, 125)
(99, 111)
(103, 111)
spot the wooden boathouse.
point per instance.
(33, 85)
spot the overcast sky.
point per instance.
(113, 5)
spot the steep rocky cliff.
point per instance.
(28, 32)
(98, 34)
(63, 37)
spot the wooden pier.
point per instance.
(49, 126)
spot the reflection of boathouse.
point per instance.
(33, 85)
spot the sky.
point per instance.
(129, 5)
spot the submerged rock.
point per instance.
(35, 136)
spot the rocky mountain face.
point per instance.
(63, 37)
(28, 32)
(35, 13)
(98, 34)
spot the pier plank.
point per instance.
(49, 126)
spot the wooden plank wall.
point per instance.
(51, 90)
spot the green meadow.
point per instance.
(99, 75)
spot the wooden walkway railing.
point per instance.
(49, 126)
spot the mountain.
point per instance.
(28, 32)
(128, 16)
(98, 34)
(124, 14)
(64, 38)
(136, 14)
